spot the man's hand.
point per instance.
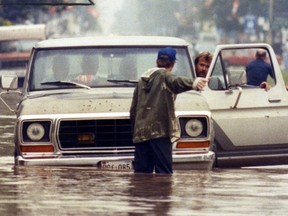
(202, 83)
(265, 85)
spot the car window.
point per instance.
(232, 66)
(98, 65)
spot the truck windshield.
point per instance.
(98, 67)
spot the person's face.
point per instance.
(202, 67)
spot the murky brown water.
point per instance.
(87, 191)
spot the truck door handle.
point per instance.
(238, 97)
(274, 100)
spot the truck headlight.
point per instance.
(194, 127)
(35, 131)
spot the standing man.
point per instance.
(258, 70)
(152, 113)
(202, 63)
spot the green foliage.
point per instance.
(4, 22)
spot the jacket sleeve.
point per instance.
(179, 84)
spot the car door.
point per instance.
(250, 122)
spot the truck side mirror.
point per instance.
(9, 82)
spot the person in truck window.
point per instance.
(89, 66)
(128, 68)
(258, 70)
(202, 63)
(60, 68)
(152, 113)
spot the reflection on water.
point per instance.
(6, 135)
(87, 191)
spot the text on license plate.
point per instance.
(116, 165)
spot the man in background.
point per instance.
(258, 70)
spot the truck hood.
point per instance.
(96, 101)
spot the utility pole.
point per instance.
(271, 5)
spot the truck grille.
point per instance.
(95, 134)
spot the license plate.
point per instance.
(116, 165)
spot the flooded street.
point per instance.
(87, 191)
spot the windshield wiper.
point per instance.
(65, 83)
(122, 81)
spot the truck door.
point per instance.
(248, 119)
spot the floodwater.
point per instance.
(87, 191)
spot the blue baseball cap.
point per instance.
(167, 53)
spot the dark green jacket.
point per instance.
(152, 110)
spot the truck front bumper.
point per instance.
(202, 161)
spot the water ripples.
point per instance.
(87, 191)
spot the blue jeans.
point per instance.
(153, 154)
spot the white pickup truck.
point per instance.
(76, 100)
(251, 124)
(57, 119)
